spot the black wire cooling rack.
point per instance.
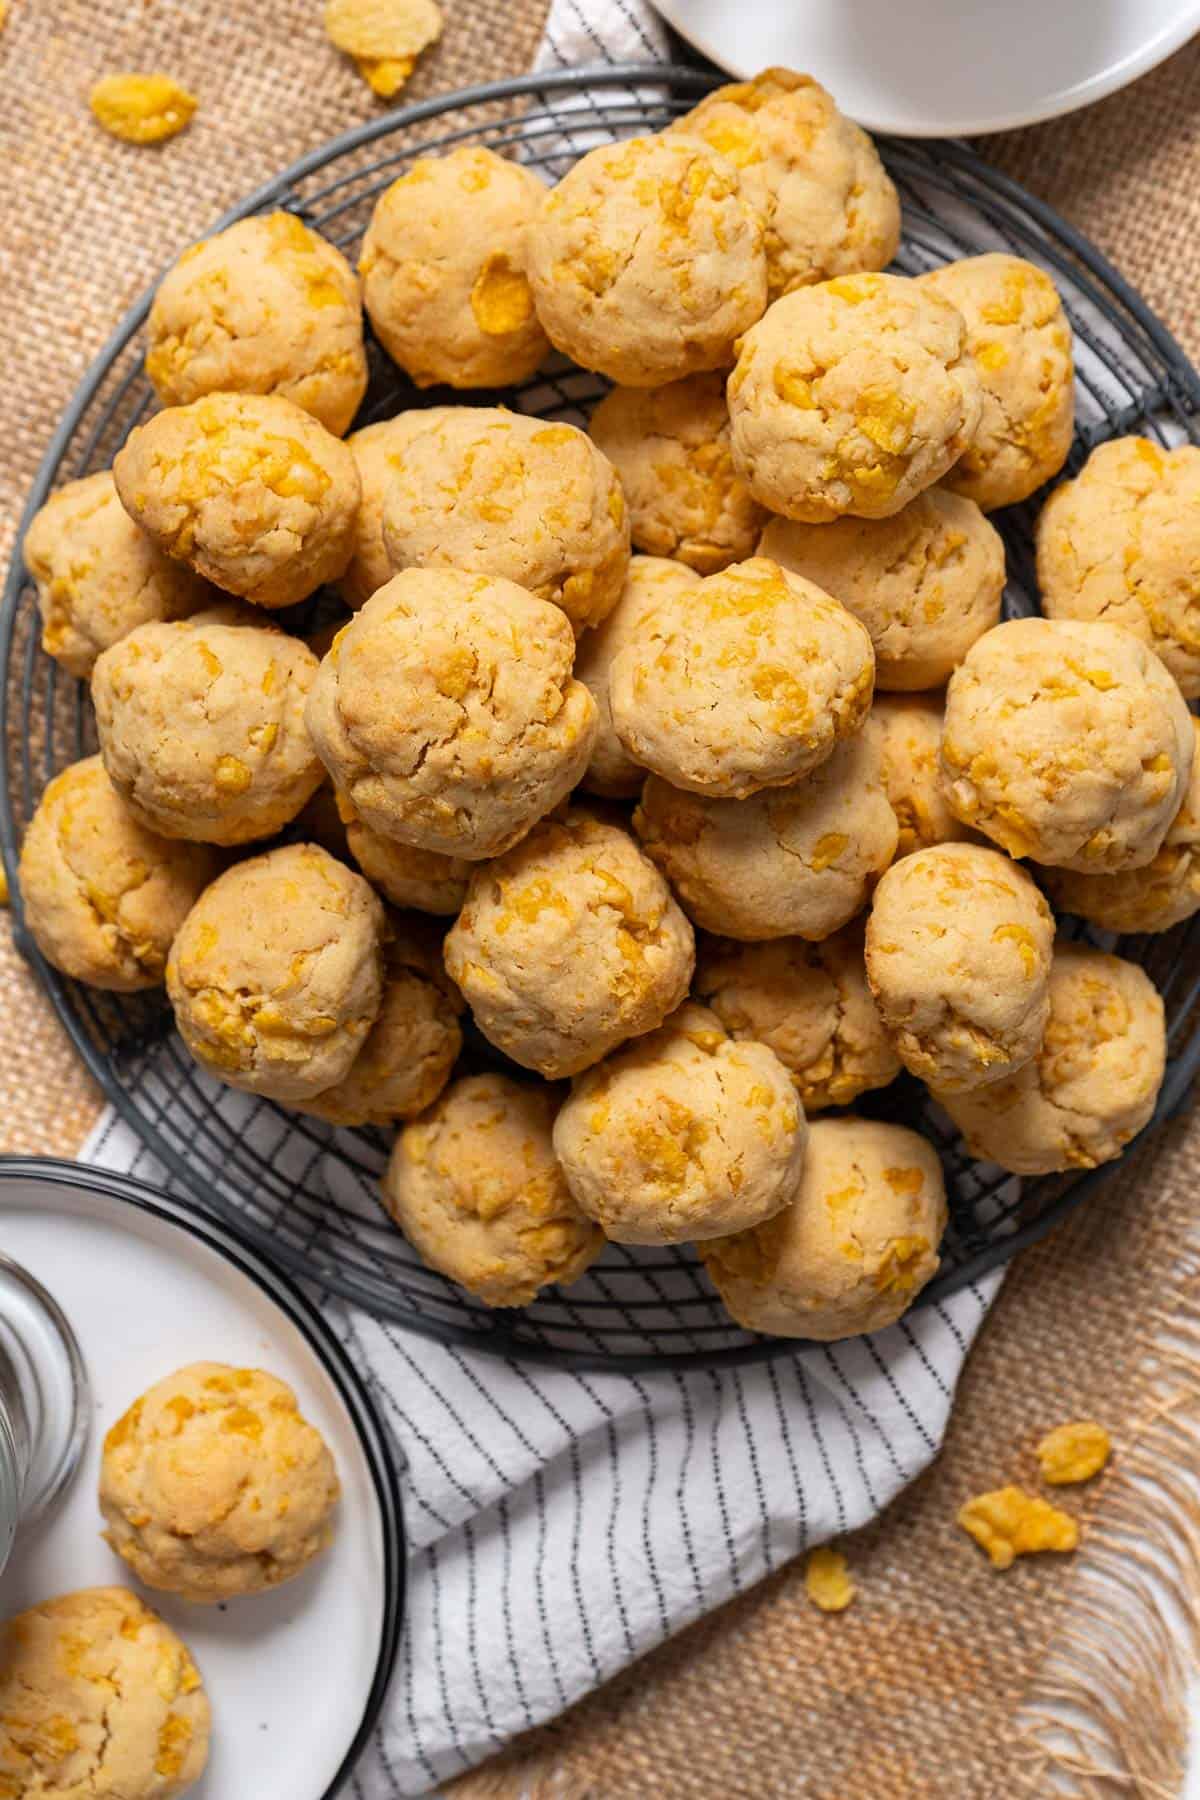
(306, 1195)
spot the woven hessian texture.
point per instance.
(914, 1691)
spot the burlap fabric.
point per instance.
(930, 1684)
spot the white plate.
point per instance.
(944, 68)
(295, 1677)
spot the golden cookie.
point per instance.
(477, 1191)
(246, 489)
(378, 452)
(423, 879)
(1121, 543)
(569, 944)
(1068, 743)
(686, 1134)
(796, 861)
(852, 397)
(670, 447)
(276, 975)
(958, 952)
(201, 727)
(103, 896)
(1091, 1087)
(213, 1485)
(908, 730)
(264, 307)
(646, 260)
(855, 1247)
(926, 583)
(745, 682)
(443, 268)
(98, 1697)
(448, 715)
(98, 576)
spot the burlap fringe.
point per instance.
(1108, 1712)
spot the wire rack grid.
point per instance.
(306, 1194)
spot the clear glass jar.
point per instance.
(44, 1401)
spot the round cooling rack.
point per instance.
(306, 1195)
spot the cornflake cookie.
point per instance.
(407, 1056)
(264, 307)
(201, 727)
(568, 945)
(142, 109)
(443, 271)
(99, 1697)
(276, 976)
(852, 397)
(1094, 1082)
(423, 879)
(1121, 543)
(611, 772)
(908, 729)
(214, 1485)
(499, 494)
(926, 583)
(103, 896)
(670, 447)
(246, 489)
(854, 1248)
(647, 261)
(448, 715)
(797, 861)
(1020, 343)
(1008, 1523)
(745, 682)
(98, 576)
(378, 451)
(385, 37)
(684, 1135)
(829, 206)
(810, 1004)
(1068, 743)
(1155, 897)
(958, 948)
(477, 1191)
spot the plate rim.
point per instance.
(352, 1390)
(1086, 93)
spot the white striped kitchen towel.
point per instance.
(561, 1525)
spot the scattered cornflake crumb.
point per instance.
(142, 109)
(385, 75)
(827, 1580)
(384, 37)
(4, 894)
(3, 14)
(1073, 1452)
(1010, 1523)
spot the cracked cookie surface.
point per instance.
(855, 1247)
(528, 500)
(378, 452)
(447, 712)
(276, 974)
(745, 682)
(795, 861)
(647, 260)
(99, 1700)
(104, 896)
(852, 397)
(1121, 543)
(477, 1190)
(248, 490)
(1067, 742)
(213, 1484)
(264, 307)
(685, 1134)
(1092, 1085)
(958, 948)
(568, 945)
